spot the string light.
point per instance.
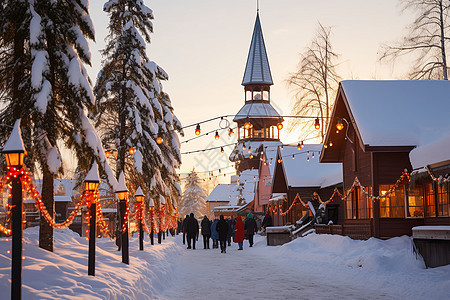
(317, 123)
(217, 136)
(197, 130)
(279, 126)
(159, 140)
(330, 143)
(221, 150)
(230, 132)
(131, 150)
(243, 147)
(248, 125)
(251, 156)
(339, 125)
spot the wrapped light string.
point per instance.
(7, 231)
(100, 221)
(34, 194)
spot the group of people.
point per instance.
(221, 231)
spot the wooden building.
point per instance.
(298, 173)
(374, 127)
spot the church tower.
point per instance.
(258, 123)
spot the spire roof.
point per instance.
(257, 70)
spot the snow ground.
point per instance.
(317, 266)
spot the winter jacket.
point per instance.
(267, 222)
(250, 226)
(222, 229)
(214, 233)
(206, 226)
(184, 225)
(192, 227)
(239, 230)
(230, 223)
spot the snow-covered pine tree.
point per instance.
(58, 94)
(132, 110)
(194, 196)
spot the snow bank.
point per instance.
(385, 265)
(63, 273)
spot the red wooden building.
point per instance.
(298, 173)
(374, 127)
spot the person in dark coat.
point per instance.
(215, 234)
(192, 231)
(184, 228)
(250, 228)
(206, 231)
(239, 232)
(267, 222)
(222, 229)
(230, 231)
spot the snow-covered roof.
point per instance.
(232, 193)
(300, 172)
(15, 142)
(399, 113)
(270, 156)
(63, 199)
(64, 187)
(239, 153)
(432, 153)
(257, 110)
(257, 69)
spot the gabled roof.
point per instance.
(257, 110)
(257, 70)
(299, 172)
(395, 113)
(399, 113)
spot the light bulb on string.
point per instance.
(230, 131)
(317, 123)
(221, 150)
(312, 155)
(197, 130)
(293, 157)
(217, 136)
(243, 147)
(159, 140)
(299, 147)
(279, 126)
(307, 158)
(249, 149)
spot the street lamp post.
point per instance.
(122, 192)
(139, 195)
(14, 151)
(162, 203)
(92, 181)
(151, 207)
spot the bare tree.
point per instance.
(426, 41)
(315, 83)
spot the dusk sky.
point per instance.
(203, 46)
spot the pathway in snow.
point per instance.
(251, 274)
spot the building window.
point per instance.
(415, 202)
(364, 204)
(392, 206)
(430, 204)
(349, 205)
(442, 200)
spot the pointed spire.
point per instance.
(257, 70)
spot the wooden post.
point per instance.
(141, 236)
(92, 237)
(16, 224)
(124, 233)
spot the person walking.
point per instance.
(215, 234)
(230, 231)
(222, 229)
(184, 228)
(192, 231)
(206, 231)
(239, 232)
(250, 228)
(267, 222)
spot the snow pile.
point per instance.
(63, 273)
(385, 265)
